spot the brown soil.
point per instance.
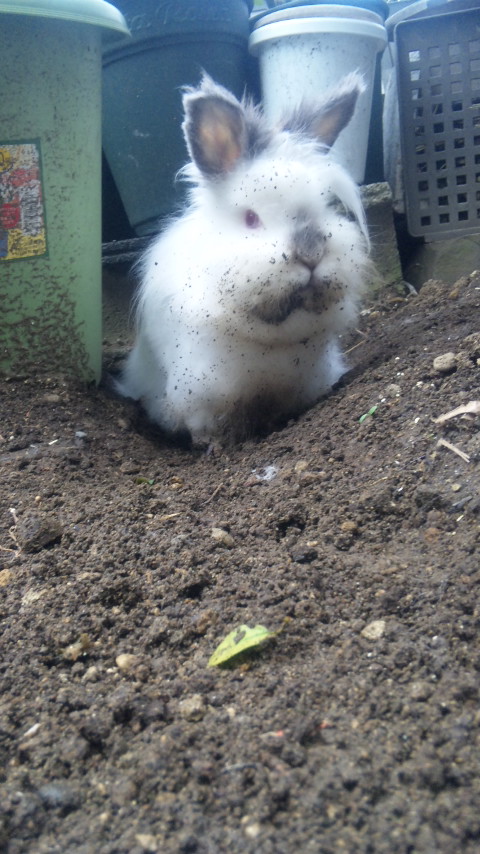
(357, 728)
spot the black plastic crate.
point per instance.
(438, 74)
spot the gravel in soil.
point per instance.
(125, 559)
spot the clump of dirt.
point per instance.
(125, 560)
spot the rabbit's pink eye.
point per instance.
(252, 220)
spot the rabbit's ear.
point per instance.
(214, 128)
(328, 119)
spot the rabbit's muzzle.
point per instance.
(308, 242)
(316, 297)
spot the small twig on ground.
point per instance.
(12, 551)
(167, 517)
(472, 408)
(454, 448)
(359, 343)
(18, 549)
(214, 493)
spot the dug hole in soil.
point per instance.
(126, 559)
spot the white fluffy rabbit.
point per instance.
(242, 296)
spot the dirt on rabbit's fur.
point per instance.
(125, 560)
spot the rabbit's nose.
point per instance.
(308, 244)
(310, 263)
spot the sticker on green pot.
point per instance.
(23, 231)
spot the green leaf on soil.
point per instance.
(238, 641)
(371, 411)
(141, 479)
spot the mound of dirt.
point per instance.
(125, 560)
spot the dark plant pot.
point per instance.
(172, 42)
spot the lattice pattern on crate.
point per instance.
(439, 98)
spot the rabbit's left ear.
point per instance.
(214, 128)
(329, 118)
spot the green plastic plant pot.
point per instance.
(50, 184)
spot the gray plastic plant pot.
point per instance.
(172, 43)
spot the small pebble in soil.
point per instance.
(304, 555)
(251, 829)
(91, 675)
(349, 527)
(32, 730)
(147, 841)
(445, 363)
(204, 620)
(223, 538)
(59, 796)
(432, 534)
(126, 662)
(421, 690)
(6, 576)
(36, 531)
(192, 708)
(374, 630)
(80, 647)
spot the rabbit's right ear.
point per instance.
(215, 128)
(326, 120)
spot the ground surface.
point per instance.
(125, 560)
